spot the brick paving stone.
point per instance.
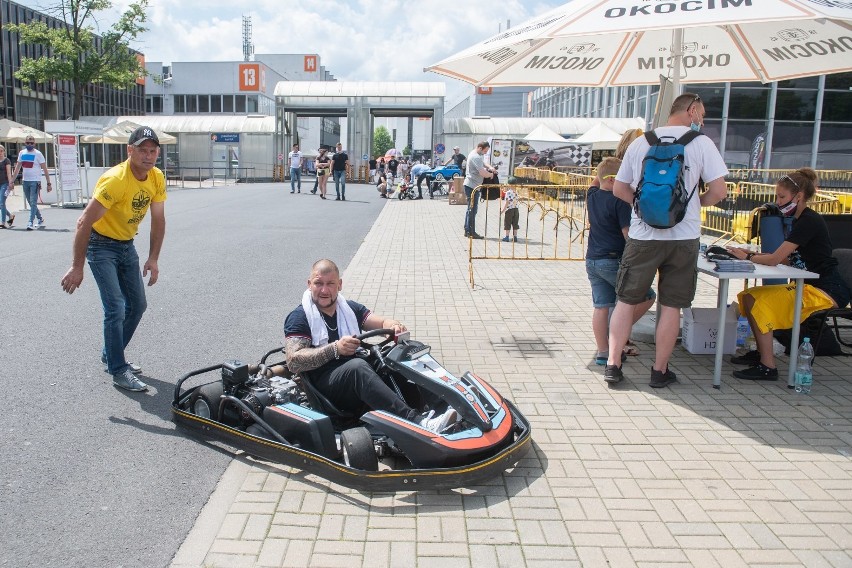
(749, 475)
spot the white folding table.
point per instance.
(760, 271)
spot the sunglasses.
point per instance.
(791, 180)
(695, 99)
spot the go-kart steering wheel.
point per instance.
(388, 333)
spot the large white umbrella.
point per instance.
(543, 137)
(120, 132)
(613, 42)
(11, 131)
(599, 137)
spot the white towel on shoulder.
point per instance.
(347, 323)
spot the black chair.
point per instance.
(844, 260)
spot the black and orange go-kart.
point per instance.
(267, 411)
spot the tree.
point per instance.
(406, 151)
(382, 141)
(74, 53)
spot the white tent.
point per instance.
(543, 137)
(599, 137)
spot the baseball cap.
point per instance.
(141, 134)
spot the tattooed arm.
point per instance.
(302, 357)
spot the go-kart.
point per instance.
(271, 413)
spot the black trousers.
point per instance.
(420, 179)
(354, 382)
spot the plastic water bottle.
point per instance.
(804, 374)
(743, 331)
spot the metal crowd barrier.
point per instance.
(553, 225)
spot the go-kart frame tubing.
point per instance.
(336, 472)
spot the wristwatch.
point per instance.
(749, 256)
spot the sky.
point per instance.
(357, 40)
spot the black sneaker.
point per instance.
(750, 358)
(476, 236)
(759, 372)
(613, 374)
(659, 379)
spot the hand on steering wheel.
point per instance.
(388, 333)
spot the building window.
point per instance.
(191, 103)
(203, 103)
(180, 103)
(227, 103)
(251, 103)
(215, 103)
(240, 103)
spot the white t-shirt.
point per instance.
(31, 161)
(295, 159)
(702, 160)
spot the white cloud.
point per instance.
(359, 40)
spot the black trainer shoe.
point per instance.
(613, 374)
(759, 372)
(750, 358)
(660, 379)
(476, 236)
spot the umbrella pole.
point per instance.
(677, 59)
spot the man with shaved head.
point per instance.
(319, 337)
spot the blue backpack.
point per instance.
(661, 198)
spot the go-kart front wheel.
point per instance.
(204, 402)
(358, 450)
(401, 195)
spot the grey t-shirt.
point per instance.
(475, 162)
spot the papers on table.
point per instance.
(733, 266)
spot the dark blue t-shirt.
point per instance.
(296, 325)
(607, 216)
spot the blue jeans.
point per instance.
(470, 214)
(115, 266)
(3, 211)
(31, 195)
(339, 182)
(295, 176)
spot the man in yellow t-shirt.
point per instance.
(104, 236)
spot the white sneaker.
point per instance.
(39, 224)
(439, 423)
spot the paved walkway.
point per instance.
(752, 475)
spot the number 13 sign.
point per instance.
(252, 77)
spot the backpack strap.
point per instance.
(688, 137)
(651, 138)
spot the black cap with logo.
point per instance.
(141, 134)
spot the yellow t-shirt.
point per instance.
(127, 200)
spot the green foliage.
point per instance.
(406, 151)
(73, 54)
(382, 141)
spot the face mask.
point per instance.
(30, 147)
(790, 208)
(694, 126)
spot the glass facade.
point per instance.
(32, 103)
(809, 120)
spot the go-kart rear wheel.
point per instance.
(401, 195)
(204, 402)
(358, 450)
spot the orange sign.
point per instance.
(310, 64)
(483, 90)
(250, 77)
(140, 80)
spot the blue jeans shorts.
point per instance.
(602, 275)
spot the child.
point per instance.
(510, 207)
(609, 220)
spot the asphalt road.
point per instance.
(94, 476)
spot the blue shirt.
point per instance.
(607, 216)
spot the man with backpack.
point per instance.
(659, 176)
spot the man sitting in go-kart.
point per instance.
(319, 336)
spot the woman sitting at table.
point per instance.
(807, 246)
